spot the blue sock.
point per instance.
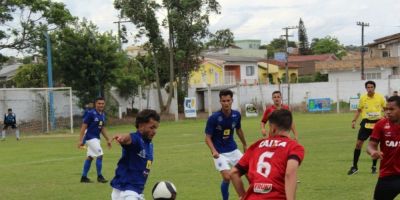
(99, 165)
(86, 167)
(225, 190)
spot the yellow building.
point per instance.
(276, 71)
(207, 73)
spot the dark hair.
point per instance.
(395, 99)
(370, 82)
(145, 115)
(99, 99)
(281, 118)
(276, 92)
(9, 109)
(225, 92)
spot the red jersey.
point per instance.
(388, 135)
(271, 109)
(265, 164)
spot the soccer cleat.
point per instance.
(101, 179)
(85, 179)
(373, 170)
(353, 170)
(18, 139)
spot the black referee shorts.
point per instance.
(387, 188)
(364, 133)
(13, 126)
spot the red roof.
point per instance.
(322, 57)
(280, 63)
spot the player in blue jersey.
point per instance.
(134, 165)
(219, 138)
(93, 124)
(10, 120)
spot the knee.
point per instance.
(89, 158)
(359, 144)
(99, 158)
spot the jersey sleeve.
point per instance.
(210, 126)
(265, 116)
(244, 162)
(377, 131)
(360, 104)
(87, 119)
(296, 153)
(239, 123)
(134, 140)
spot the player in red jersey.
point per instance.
(271, 163)
(386, 133)
(277, 99)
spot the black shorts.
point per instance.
(364, 133)
(13, 126)
(387, 188)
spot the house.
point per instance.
(385, 47)
(7, 72)
(381, 61)
(248, 44)
(276, 71)
(134, 51)
(306, 63)
(218, 69)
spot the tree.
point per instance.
(221, 38)
(86, 59)
(278, 45)
(31, 75)
(304, 48)
(27, 20)
(187, 22)
(328, 44)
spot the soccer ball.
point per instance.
(164, 190)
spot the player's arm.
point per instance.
(123, 139)
(291, 178)
(210, 145)
(356, 115)
(237, 181)
(372, 149)
(264, 122)
(296, 135)
(240, 134)
(81, 134)
(104, 133)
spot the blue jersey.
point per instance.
(221, 129)
(9, 118)
(134, 166)
(95, 122)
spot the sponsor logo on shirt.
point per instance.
(387, 126)
(272, 143)
(262, 188)
(391, 143)
(219, 127)
(388, 134)
(96, 119)
(142, 153)
(220, 119)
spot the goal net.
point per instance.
(39, 110)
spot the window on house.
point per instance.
(373, 76)
(385, 54)
(249, 70)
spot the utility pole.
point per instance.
(287, 58)
(119, 22)
(362, 24)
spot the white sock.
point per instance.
(3, 134)
(17, 133)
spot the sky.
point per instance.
(264, 19)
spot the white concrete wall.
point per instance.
(299, 92)
(356, 75)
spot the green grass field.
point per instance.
(49, 167)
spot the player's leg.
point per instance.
(16, 131)
(116, 194)
(362, 136)
(86, 167)
(95, 150)
(222, 165)
(387, 188)
(131, 195)
(3, 132)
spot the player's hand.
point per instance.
(109, 143)
(353, 124)
(215, 154)
(264, 132)
(376, 155)
(244, 148)
(80, 145)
